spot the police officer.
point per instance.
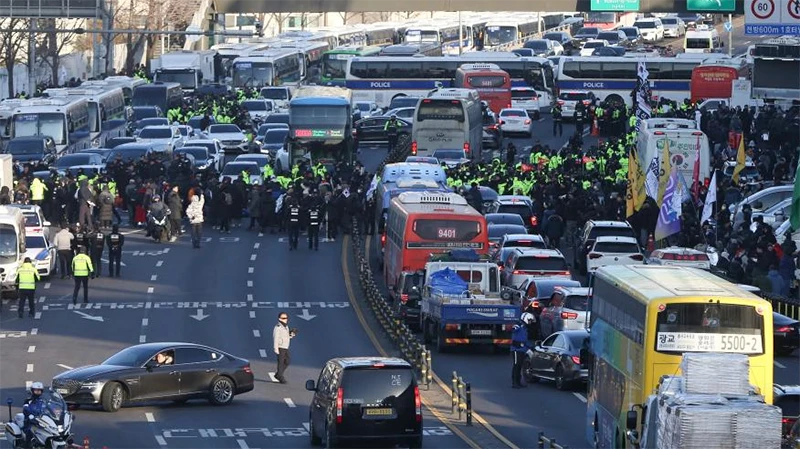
(558, 120)
(114, 241)
(293, 223)
(580, 117)
(391, 127)
(519, 348)
(81, 239)
(81, 269)
(314, 220)
(98, 244)
(27, 275)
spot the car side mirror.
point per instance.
(631, 419)
(310, 385)
(150, 365)
(46, 223)
(537, 343)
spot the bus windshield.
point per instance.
(186, 78)
(440, 110)
(685, 327)
(319, 116)
(422, 36)
(335, 66)
(698, 42)
(497, 35)
(43, 123)
(252, 74)
(8, 244)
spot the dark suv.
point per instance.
(492, 134)
(407, 293)
(372, 400)
(787, 397)
(31, 150)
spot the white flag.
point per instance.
(711, 198)
(651, 177)
(373, 186)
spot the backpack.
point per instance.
(227, 198)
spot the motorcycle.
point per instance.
(51, 430)
(159, 227)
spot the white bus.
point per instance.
(106, 110)
(684, 140)
(12, 246)
(511, 31)
(448, 119)
(615, 77)
(126, 83)
(65, 119)
(380, 79)
(228, 52)
(702, 41)
(268, 68)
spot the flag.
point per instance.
(795, 213)
(741, 157)
(373, 186)
(664, 171)
(651, 179)
(696, 174)
(669, 214)
(643, 95)
(711, 198)
(636, 192)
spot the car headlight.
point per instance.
(96, 143)
(43, 255)
(244, 139)
(258, 142)
(90, 385)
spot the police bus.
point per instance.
(448, 119)
(381, 79)
(512, 31)
(164, 95)
(334, 62)
(106, 110)
(65, 119)
(268, 68)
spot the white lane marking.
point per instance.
(256, 245)
(249, 296)
(256, 333)
(242, 444)
(61, 365)
(289, 402)
(145, 321)
(42, 298)
(249, 283)
(31, 349)
(165, 251)
(150, 289)
(28, 384)
(779, 364)
(253, 256)
(252, 314)
(250, 270)
(307, 426)
(262, 353)
(34, 331)
(154, 277)
(37, 316)
(159, 263)
(29, 368)
(150, 417)
(272, 377)
(579, 396)
(46, 285)
(160, 440)
(142, 338)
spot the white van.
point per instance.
(12, 246)
(684, 138)
(280, 96)
(705, 41)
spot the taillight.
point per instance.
(535, 304)
(784, 329)
(569, 316)
(534, 220)
(383, 239)
(560, 102)
(637, 257)
(466, 147)
(451, 327)
(508, 327)
(247, 369)
(418, 403)
(576, 359)
(595, 255)
(508, 106)
(516, 272)
(404, 298)
(528, 121)
(339, 405)
(414, 148)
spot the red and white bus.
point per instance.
(423, 223)
(609, 20)
(716, 80)
(492, 83)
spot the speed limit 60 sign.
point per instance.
(772, 17)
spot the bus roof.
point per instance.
(434, 203)
(319, 92)
(355, 49)
(648, 283)
(454, 93)
(394, 172)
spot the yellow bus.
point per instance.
(644, 317)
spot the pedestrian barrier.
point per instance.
(462, 398)
(549, 443)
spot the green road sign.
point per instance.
(618, 5)
(711, 5)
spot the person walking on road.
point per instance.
(281, 337)
(195, 214)
(115, 242)
(519, 348)
(63, 243)
(27, 276)
(81, 269)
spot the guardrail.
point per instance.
(549, 443)
(462, 398)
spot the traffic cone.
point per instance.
(595, 128)
(651, 244)
(85, 442)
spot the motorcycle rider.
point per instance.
(33, 406)
(158, 211)
(519, 348)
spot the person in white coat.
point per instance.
(195, 214)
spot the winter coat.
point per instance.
(106, 204)
(195, 210)
(175, 205)
(254, 207)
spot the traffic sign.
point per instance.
(616, 5)
(772, 17)
(711, 5)
(728, 26)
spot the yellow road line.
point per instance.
(374, 339)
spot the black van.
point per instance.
(371, 399)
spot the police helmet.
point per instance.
(527, 318)
(394, 116)
(156, 198)
(37, 388)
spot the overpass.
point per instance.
(299, 6)
(53, 8)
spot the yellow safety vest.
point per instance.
(82, 265)
(37, 190)
(27, 275)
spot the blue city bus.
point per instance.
(321, 126)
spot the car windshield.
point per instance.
(236, 168)
(449, 154)
(153, 122)
(19, 147)
(367, 385)
(594, 44)
(31, 220)
(214, 129)
(520, 209)
(131, 357)
(35, 241)
(364, 107)
(641, 25)
(541, 263)
(210, 146)
(278, 118)
(611, 231)
(260, 160)
(276, 136)
(512, 113)
(577, 302)
(587, 31)
(530, 243)
(141, 113)
(496, 232)
(536, 44)
(608, 36)
(523, 94)
(669, 21)
(71, 160)
(274, 94)
(254, 105)
(552, 37)
(127, 154)
(616, 247)
(504, 219)
(201, 154)
(630, 32)
(117, 141)
(156, 133)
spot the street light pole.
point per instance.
(32, 30)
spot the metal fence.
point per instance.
(549, 443)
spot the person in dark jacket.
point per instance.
(175, 205)
(554, 229)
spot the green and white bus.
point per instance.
(334, 62)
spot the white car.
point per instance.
(233, 170)
(680, 257)
(568, 309)
(229, 136)
(186, 131)
(451, 157)
(516, 120)
(367, 108)
(614, 250)
(35, 223)
(530, 263)
(569, 101)
(259, 108)
(406, 113)
(651, 28)
(591, 45)
(214, 150)
(673, 26)
(42, 253)
(261, 159)
(163, 138)
(526, 98)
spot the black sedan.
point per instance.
(372, 129)
(562, 357)
(157, 371)
(497, 231)
(492, 133)
(787, 334)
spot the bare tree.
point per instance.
(277, 18)
(52, 44)
(346, 16)
(12, 47)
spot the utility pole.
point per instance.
(730, 35)
(32, 57)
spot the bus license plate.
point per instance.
(379, 412)
(480, 332)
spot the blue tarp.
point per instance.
(465, 255)
(447, 282)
